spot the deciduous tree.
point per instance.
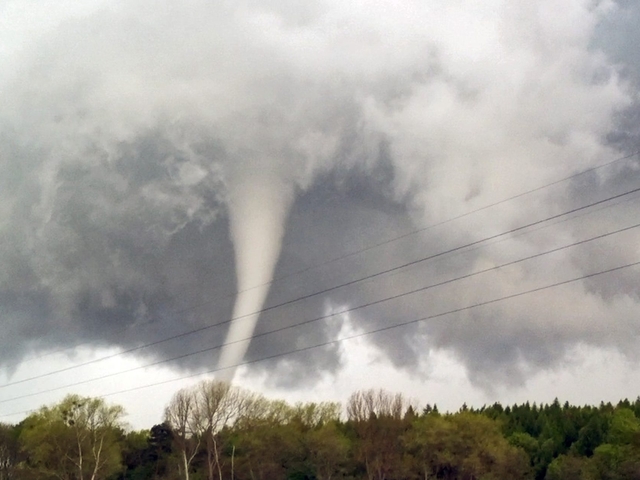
(9, 451)
(180, 415)
(76, 439)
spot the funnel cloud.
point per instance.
(258, 212)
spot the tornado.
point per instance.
(258, 208)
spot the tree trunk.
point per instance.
(215, 449)
(233, 456)
(80, 477)
(209, 461)
(96, 455)
(185, 463)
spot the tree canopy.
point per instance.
(216, 431)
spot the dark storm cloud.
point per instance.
(126, 135)
(618, 37)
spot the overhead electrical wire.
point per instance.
(476, 244)
(461, 216)
(365, 249)
(369, 332)
(323, 317)
(336, 287)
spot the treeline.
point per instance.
(215, 431)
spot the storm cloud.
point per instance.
(128, 132)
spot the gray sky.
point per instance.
(154, 158)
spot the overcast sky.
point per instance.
(156, 159)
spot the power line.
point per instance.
(353, 253)
(336, 287)
(553, 224)
(370, 332)
(324, 317)
(463, 215)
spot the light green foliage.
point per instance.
(328, 451)
(624, 426)
(278, 440)
(313, 415)
(566, 467)
(526, 442)
(76, 439)
(227, 433)
(464, 445)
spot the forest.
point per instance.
(216, 431)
